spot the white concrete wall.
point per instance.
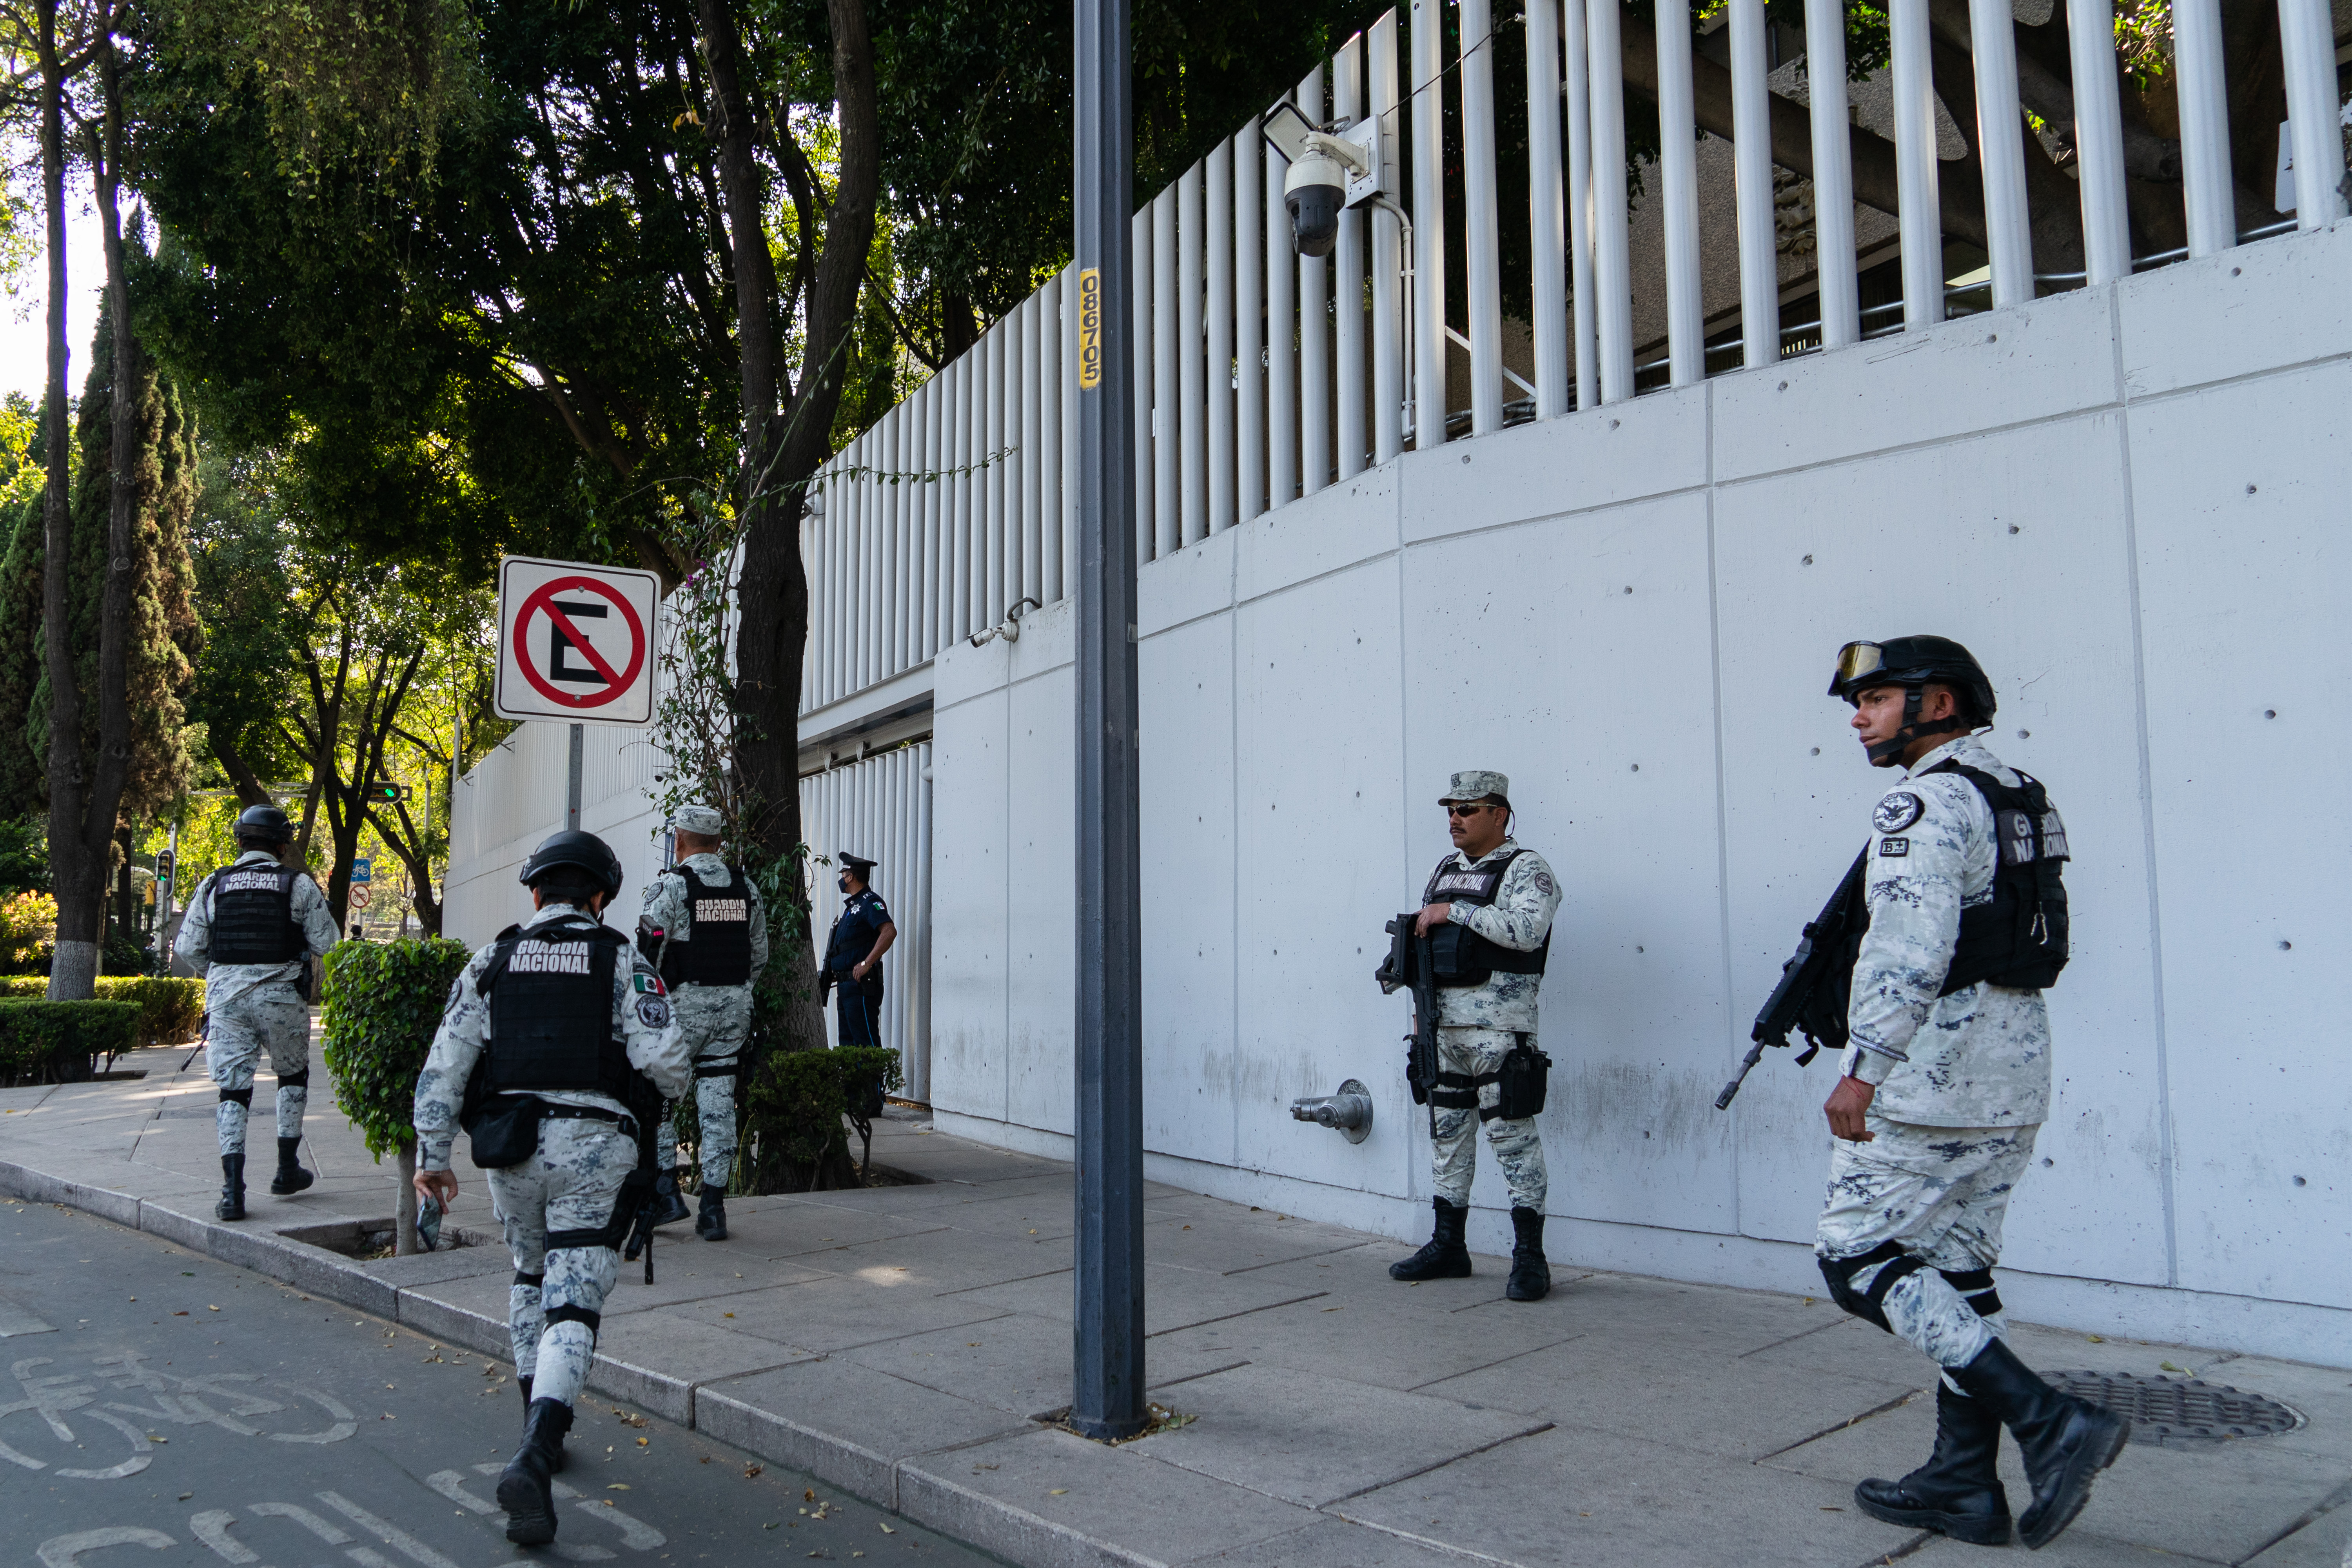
(2127, 502)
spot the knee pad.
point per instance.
(237, 1096)
(1975, 1285)
(568, 1313)
(1869, 1304)
(531, 1281)
(295, 1080)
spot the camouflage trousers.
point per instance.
(557, 1300)
(267, 1019)
(715, 1021)
(1453, 1147)
(1939, 1194)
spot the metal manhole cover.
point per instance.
(2180, 1412)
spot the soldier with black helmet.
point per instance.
(556, 1046)
(706, 930)
(1945, 1083)
(250, 929)
(853, 953)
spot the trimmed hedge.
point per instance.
(60, 1042)
(170, 1008)
(382, 1002)
(808, 1093)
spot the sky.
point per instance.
(24, 315)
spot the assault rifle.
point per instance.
(1408, 965)
(637, 1199)
(1815, 985)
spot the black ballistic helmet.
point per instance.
(1913, 661)
(581, 851)
(264, 824)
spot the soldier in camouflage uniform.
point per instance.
(249, 927)
(550, 1021)
(1505, 897)
(1945, 1082)
(707, 932)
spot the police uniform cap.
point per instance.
(699, 818)
(581, 851)
(1477, 783)
(857, 863)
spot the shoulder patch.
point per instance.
(1895, 847)
(652, 1012)
(1897, 812)
(648, 982)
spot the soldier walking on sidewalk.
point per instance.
(249, 927)
(1946, 1081)
(557, 1045)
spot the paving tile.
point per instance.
(2325, 1542)
(1575, 1496)
(2078, 1548)
(793, 1227)
(1047, 1497)
(1019, 1363)
(844, 1423)
(835, 1314)
(1265, 1428)
(2225, 1502)
(1224, 1244)
(1333, 1544)
(946, 1260)
(1173, 1297)
(1378, 1339)
(657, 1359)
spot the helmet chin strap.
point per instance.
(1887, 753)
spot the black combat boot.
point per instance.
(1957, 1492)
(291, 1177)
(2065, 1441)
(523, 1488)
(1444, 1257)
(231, 1198)
(668, 1207)
(1530, 1275)
(711, 1223)
(522, 1381)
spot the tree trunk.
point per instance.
(404, 1209)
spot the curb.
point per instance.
(900, 1485)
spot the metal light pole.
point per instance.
(1109, 1346)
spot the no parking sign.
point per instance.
(576, 642)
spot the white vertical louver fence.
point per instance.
(1262, 377)
(881, 808)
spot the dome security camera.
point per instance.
(1312, 192)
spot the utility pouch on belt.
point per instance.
(506, 1132)
(1526, 1072)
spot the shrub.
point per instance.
(56, 1042)
(28, 929)
(807, 1094)
(382, 1001)
(171, 1009)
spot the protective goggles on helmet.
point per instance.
(1855, 660)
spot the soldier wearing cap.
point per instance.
(706, 930)
(853, 955)
(1945, 1083)
(1503, 897)
(556, 1045)
(250, 927)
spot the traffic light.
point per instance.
(385, 794)
(164, 860)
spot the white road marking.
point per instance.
(65, 1550)
(385, 1532)
(211, 1527)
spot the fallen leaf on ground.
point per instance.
(616, 1485)
(751, 1471)
(1059, 1491)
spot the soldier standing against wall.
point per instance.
(1946, 1081)
(249, 927)
(704, 930)
(1488, 909)
(853, 954)
(554, 1046)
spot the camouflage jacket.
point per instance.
(1979, 1057)
(1520, 919)
(223, 982)
(641, 1016)
(667, 909)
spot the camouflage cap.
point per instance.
(1476, 784)
(699, 818)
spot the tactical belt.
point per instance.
(1459, 1090)
(588, 1113)
(714, 1068)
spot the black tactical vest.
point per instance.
(719, 952)
(252, 916)
(1459, 956)
(551, 992)
(2018, 938)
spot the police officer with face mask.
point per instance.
(558, 1042)
(249, 927)
(853, 954)
(706, 930)
(1488, 911)
(1945, 1083)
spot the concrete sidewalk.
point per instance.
(907, 1343)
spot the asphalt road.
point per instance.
(161, 1409)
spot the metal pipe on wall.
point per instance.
(1218, 200)
(1428, 225)
(1147, 484)
(1577, 91)
(1920, 218)
(2099, 141)
(1314, 337)
(1054, 367)
(2001, 151)
(1388, 257)
(1281, 344)
(1348, 284)
(2307, 49)
(1191, 383)
(2201, 86)
(1612, 267)
(1679, 174)
(1751, 158)
(1841, 289)
(1034, 363)
(1167, 382)
(1547, 211)
(1251, 156)
(1481, 216)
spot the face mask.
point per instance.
(842, 883)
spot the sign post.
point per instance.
(576, 642)
(1107, 1348)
